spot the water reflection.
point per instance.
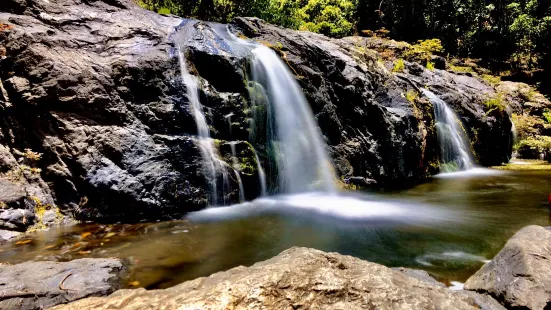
(448, 226)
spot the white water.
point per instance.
(212, 165)
(236, 169)
(454, 148)
(302, 160)
(346, 207)
(261, 174)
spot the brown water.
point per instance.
(447, 226)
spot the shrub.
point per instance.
(423, 50)
(533, 146)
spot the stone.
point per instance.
(40, 285)
(16, 219)
(11, 192)
(8, 235)
(519, 276)
(298, 278)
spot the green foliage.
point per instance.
(423, 50)
(430, 65)
(496, 102)
(532, 146)
(399, 65)
(330, 17)
(412, 95)
(547, 116)
(492, 79)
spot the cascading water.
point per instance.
(261, 174)
(301, 157)
(454, 149)
(212, 165)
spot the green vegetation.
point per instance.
(412, 95)
(508, 37)
(399, 65)
(531, 147)
(547, 116)
(496, 102)
(430, 65)
(423, 50)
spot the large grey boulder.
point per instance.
(298, 278)
(519, 276)
(40, 285)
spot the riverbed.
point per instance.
(448, 226)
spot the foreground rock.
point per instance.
(520, 274)
(39, 285)
(298, 278)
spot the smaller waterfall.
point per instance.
(261, 174)
(212, 165)
(454, 148)
(236, 168)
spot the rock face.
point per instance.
(93, 87)
(40, 285)
(519, 276)
(298, 278)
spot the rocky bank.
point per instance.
(301, 278)
(94, 123)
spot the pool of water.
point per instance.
(448, 226)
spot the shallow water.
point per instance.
(449, 226)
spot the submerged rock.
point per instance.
(295, 279)
(40, 285)
(519, 276)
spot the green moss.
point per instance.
(412, 95)
(492, 79)
(461, 69)
(496, 102)
(526, 165)
(399, 65)
(430, 65)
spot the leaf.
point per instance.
(84, 252)
(84, 235)
(24, 242)
(134, 283)
(109, 235)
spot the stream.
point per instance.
(448, 226)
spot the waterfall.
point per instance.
(236, 168)
(212, 165)
(454, 148)
(301, 157)
(261, 174)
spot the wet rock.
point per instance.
(11, 192)
(8, 235)
(519, 276)
(40, 285)
(16, 219)
(296, 278)
(484, 301)
(420, 275)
